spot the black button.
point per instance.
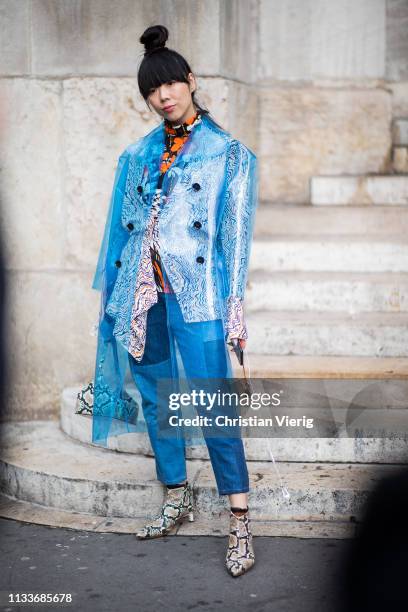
(139, 188)
(197, 224)
(196, 186)
(130, 226)
(200, 259)
(118, 263)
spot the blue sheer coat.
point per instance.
(213, 181)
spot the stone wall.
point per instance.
(326, 77)
(310, 85)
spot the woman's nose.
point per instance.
(163, 91)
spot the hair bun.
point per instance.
(154, 38)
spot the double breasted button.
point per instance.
(140, 189)
(200, 259)
(197, 224)
(196, 187)
(130, 226)
(118, 263)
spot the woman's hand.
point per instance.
(241, 342)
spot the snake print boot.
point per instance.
(177, 506)
(240, 554)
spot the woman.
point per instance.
(172, 271)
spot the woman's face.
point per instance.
(173, 100)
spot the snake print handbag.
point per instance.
(85, 399)
(126, 407)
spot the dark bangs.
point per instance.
(159, 68)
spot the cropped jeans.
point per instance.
(203, 354)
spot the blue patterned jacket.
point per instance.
(205, 225)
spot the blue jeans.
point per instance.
(203, 353)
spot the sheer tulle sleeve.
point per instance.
(236, 231)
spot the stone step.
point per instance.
(349, 292)
(352, 448)
(383, 189)
(400, 132)
(14, 509)
(330, 253)
(328, 366)
(290, 219)
(332, 291)
(41, 465)
(368, 334)
(400, 159)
